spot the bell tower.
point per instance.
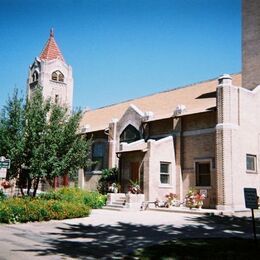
(53, 74)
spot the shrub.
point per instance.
(61, 204)
(2, 195)
(95, 200)
(92, 199)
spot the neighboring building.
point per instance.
(53, 74)
(205, 135)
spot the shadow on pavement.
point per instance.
(107, 241)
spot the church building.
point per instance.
(205, 136)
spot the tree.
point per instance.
(43, 143)
(12, 133)
(36, 123)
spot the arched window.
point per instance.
(35, 76)
(130, 134)
(57, 76)
(54, 76)
(61, 77)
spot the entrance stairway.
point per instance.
(118, 204)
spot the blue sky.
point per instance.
(121, 49)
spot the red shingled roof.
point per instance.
(51, 50)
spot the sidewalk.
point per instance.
(245, 213)
(112, 234)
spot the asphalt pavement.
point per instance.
(112, 234)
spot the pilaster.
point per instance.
(227, 111)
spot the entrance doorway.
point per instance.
(134, 171)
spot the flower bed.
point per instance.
(62, 204)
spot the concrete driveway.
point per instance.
(111, 234)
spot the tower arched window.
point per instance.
(35, 76)
(130, 134)
(57, 76)
(61, 77)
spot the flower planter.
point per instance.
(134, 201)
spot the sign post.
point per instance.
(251, 203)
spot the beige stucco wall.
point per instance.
(160, 151)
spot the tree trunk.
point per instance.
(29, 186)
(35, 188)
(21, 189)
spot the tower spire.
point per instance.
(51, 50)
(52, 32)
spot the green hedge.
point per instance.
(61, 204)
(92, 199)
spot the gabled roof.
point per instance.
(51, 50)
(197, 98)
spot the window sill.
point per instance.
(203, 187)
(166, 186)
(59, 82)
(251, 172)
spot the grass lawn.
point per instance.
(208, 248)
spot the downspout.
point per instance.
(181, 146)
(118, 155)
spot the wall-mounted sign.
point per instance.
(204, 192)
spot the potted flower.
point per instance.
(114, 187)
(171, 199)
(134, 187)
(190, 201)
(6, 184)
(199, 198)
(194, 199)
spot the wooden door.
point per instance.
(134, 171)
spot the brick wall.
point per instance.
(251, 43)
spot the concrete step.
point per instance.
(118, 203)
(121, 199)
(112, 208)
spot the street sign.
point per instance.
(251, 198)
(4, 163)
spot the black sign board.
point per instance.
(5, 164)
(251, 198)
